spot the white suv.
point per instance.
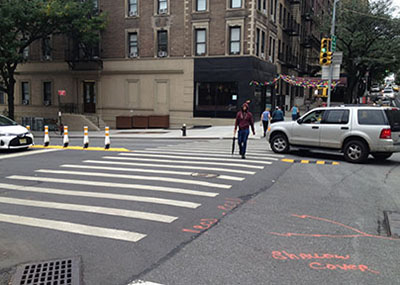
(354, 130)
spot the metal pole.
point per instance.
(331, 66)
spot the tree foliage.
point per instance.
(369, 37)
(25, 22)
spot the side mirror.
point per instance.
(299, 121)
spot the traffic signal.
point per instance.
(325, 56)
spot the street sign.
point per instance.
(335, 74)
(62, 93)
(333, 46)
(337, 58)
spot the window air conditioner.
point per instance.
(25, 102)
(132, 13)
(262, 55)
(163, 11)
(162, 54)
(47, 57)
(270, 58)
(47, 103)
(133, 55)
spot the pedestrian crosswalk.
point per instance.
(153, 185)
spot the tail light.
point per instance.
(386, 134)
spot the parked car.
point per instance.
(388, 93)
(375, 88)
(13, 135)
(355, 131)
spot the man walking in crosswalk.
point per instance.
(244, 120)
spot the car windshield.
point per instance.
(393, 116)
(4, 121)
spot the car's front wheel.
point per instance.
(279, 143)
(382, 155)
(355, 151)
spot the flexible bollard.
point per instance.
(66, 139)
(184, 130)
(85, 137)
(46, 136)
(107, 139)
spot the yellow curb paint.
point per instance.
(320, 162)
(288, 160)
(305, 161)
(81, 148)
(335, 163)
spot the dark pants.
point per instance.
(265, 125)
(294, 117)
(242, 140)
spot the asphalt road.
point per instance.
(273, 227)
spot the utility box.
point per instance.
(124, 122)
(140, 122)
(159, 122)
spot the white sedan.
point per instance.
(13, 135)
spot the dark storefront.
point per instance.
(222, 85)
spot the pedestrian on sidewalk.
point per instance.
(277, 115)
(244, 120)
(295, 112)
(265, 117)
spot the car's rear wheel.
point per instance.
(279, 143)
(382, 155)
(355, 151)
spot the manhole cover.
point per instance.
(53, 272)
(204, 175)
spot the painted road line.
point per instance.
(81, 148)
(201, 154)
(141, 282)
(139, 177)
(72, 228)
(171, 166)
(225, 150)
(226, 177)
(242, 165)
(193, 158)
(122, 197)
(13, 155)
(226, 147)
(117, 185)
(90, 209)
(304, 161)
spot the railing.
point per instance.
(77, 60)
(69, 108)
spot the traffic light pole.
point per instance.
(331, 65)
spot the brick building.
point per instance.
(189, 59)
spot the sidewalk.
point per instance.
(217, 132)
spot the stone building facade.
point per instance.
(189, 59)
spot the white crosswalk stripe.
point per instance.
(218, 151)
(226, 177)
(116, 185)
(72, 228)
(192, 157)
(172, 166)
(194, 153)
(90, 209)
(137, 177)
(121, 197)
(184, 162)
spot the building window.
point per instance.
(280, 13)
(162, 43)
(213, 97)
(25, 94)
(263, 44)
(25, 53)
(132, 8)
(259, 5)
(162, 6)
(46, 48)
(264, 5)
(273, 50)
(236, 3)
(133, 45)
(201, 40)
(47, 93)
(2, 98)
(201, 5)
(234, 44)
(257, 42)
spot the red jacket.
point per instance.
(244, 120)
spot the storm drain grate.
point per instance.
(392, 221)
(53, 272)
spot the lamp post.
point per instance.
(331, 66)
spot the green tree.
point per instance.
(25, 22)
(369, 37)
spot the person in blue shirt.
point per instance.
(277, 115)
(295, 113)
(265, 117)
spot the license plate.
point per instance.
(22, 141)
